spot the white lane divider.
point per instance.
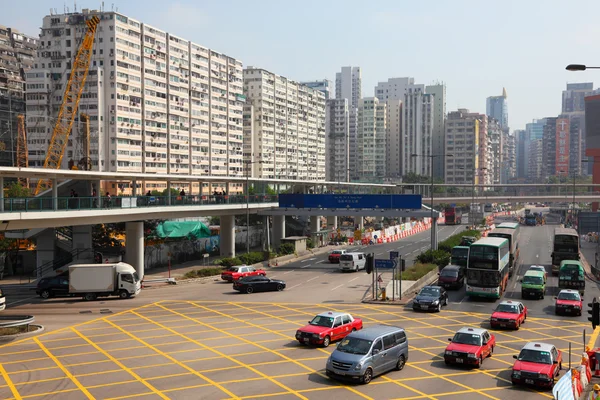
(289, 272)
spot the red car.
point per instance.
(568, 302)
(328, 327)
(470, 346)
(538, 364)
(334, 256)
(234, 273)
(509, 314)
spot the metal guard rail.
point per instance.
(13, 321)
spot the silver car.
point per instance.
(364, 354)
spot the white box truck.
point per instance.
(91, 281)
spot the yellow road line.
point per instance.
(120, 364)
(9, 383)
(63, 369)
(281, 385)
(265, 348)
(148, 345)
(592, 342)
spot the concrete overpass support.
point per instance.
(278, 230)
(44, 249)
(227, 242)
(332, 222)
(134, 246)
(359, 222)
(315, 224)
(82, 239)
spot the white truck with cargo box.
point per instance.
(91, 281)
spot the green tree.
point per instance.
(15, 190)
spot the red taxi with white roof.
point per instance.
(470, 346)
(334, 256)
(232, 274)
(509, 314)
(538, 364)
(328, 327)
(568, 301)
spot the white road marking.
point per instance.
(309, 259)
(313, 278)
(285, 273)
(352, 280)
(18, 301)
(337, 287)
(306, 266)
(295, 286)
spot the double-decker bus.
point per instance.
(511, 225)
(565, 247)
(452, 216)
(487, 267)
(513, 244)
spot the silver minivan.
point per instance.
(372, 351)
(352, 261)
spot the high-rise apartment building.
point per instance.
(495, 158)
(337, 141)
(533, 131)
(371, 140)
(438, 91)
(462, 142)
(324, 85)
(157, 103)
(417, 131)
(397, 89)
(286, 138)
(17, 52)
(535, 160)
(573, 107)
(521, 166)
(549, 148)
(348, 85)
(573, 99)
(509, 157)
(497, 108)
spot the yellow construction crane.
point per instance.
(22, 152)
(70, 104)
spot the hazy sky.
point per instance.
(475, 47)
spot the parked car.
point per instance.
(364, 354)
(51, 287)
(541, 269)
(430, 298)
(232, 274)
(327, 327)
(568, 301)
(2, 300)
(451, 276)
(538, 364)
(509, 314)
(334, 256)
(470, 346)
(258, 283)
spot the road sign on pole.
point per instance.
(385, 264)
(394, 255)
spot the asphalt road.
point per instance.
(205, 341)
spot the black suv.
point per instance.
(50, 287)
(451, 276)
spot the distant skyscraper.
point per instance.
(497, 108)
(573, 107)
(549, 148)
(573, 97)
(494, 146)
(417, 129)
(520, 137)
(323, 85)
(462, 127)
(337, 140)
(533, 131)
(370, 139)
(348, 85)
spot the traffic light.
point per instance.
(594, 311)
(369, 263)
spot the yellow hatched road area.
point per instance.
(226, 350)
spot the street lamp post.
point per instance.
(433, 231)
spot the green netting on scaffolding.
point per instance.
(182, 229)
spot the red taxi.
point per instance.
(568, 302)
(328, 327)
(334, 256)
(538, 364)
(509, 314)
(470, 346)
(232, 274)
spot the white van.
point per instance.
(352, 261)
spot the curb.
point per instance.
(10, 338)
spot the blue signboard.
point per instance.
(394, 255)
(385, 264)
(351, 201)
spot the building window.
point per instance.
(68, 43)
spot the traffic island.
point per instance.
(400, 290)
(19, 332)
